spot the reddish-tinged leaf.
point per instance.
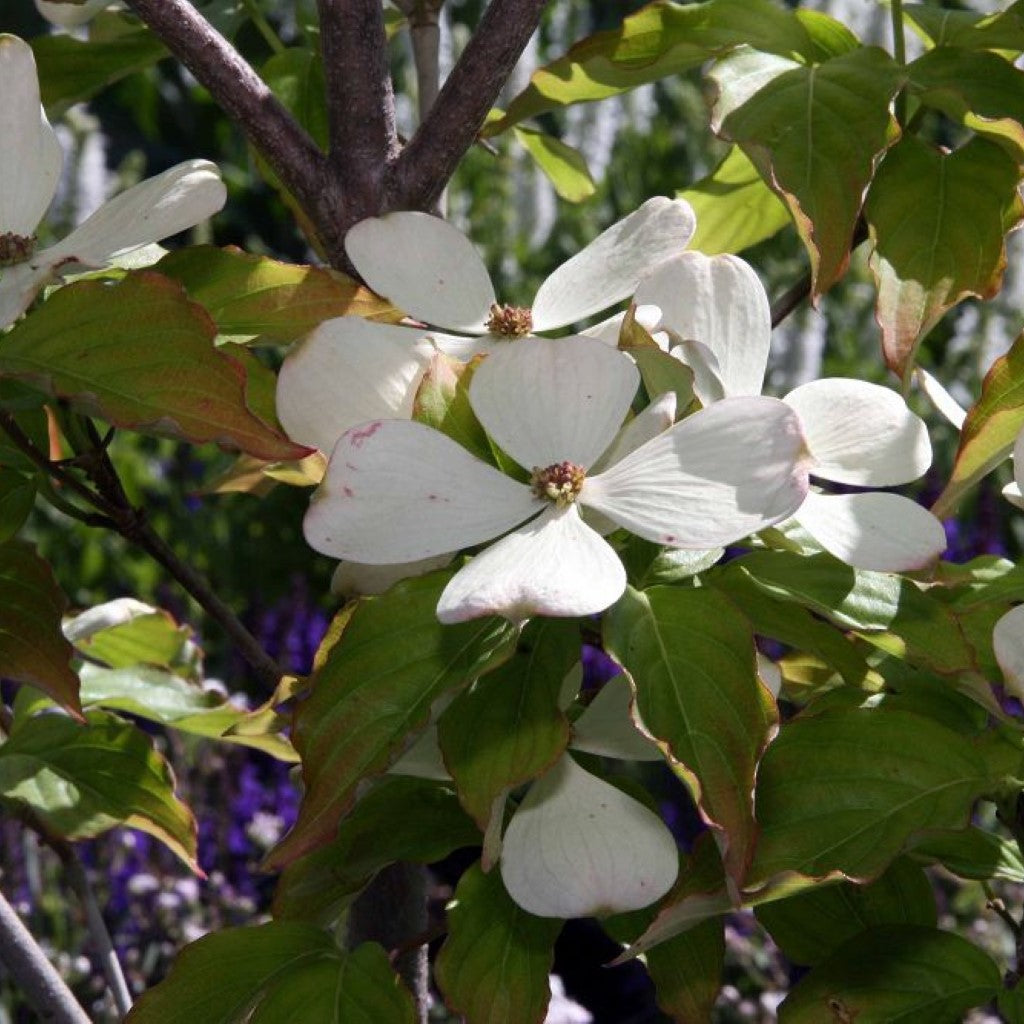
(815, 134)
(493, 967)
(32, 646)
(691, 656)
(373, 692)
(990, 429)
(140, 355)
(938, 222)
(252, 296)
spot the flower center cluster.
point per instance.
(510, 321)
(15, 249)
(560, 482)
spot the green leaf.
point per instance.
(374, 691)
(161, 696)
(971, 853)
(944, 27)
(252, 297)
(507, 728)
(735, 208)
(493, 967)
(842, 793)
(659, 40)
(442, 402)
(82, 780)
(809, 925)
(977, 89)
(815, 134)
(691, 656)
(661, 372)
(938, 222)
(72, 70)
(831, 38)
(17, 498)
(296, 77)
(399, 819)
(903, 973)
(990, 429)
(125, 632)
(32, 647)
(886, 610)
(687, 971)
(563, 166)
(275, 973)
(151, 367)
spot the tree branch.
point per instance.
(247, 100)
(426, 165)
(360, 102)
(52, 1000)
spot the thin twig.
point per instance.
(248, 101)
(426, 165)
(33, 973)
(360, 102)
(121, 516)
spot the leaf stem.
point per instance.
(263, 26)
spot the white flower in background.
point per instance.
(350, 370)
(30, 166)
(716, 311)
(1008, 643)
(398, 491)
(68, 15)
(1014, 492)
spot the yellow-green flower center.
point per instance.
(560, 482)
(510, 321)
(15, 249)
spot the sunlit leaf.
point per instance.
(442, 402)
(943, 26)
(659, 40)
(282, 971)
(815, 134)
(895, 790)
(125, 632)
(82, 780)
(690, 654)
(493, 967)
(971, 853)
(901, 972)
(563, 166)
(735, 209)
(990, 429)
(32, 647)
(253, 297)
(140, 355)
(938, 222)
(374, 691)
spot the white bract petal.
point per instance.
(554, 565)
(940, 397)
(118, 612)
(875, 530)
(1018, 462)
(70, 15)
(30, 155)
(177, 199)
(652, 421)
(1008, 644)
(769, 674)
(579, 847)
(426, 267)
(861, 433)
(345, 372)
(353, 579)
(546, 400)
(609, 269)
(606, 728)
(398, 491)
(727, 471)
(720, 302)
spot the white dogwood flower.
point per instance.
(397, 491)
(68, 15)
(717, 314)
(30, 166)
(350, 370)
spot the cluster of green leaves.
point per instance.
(823, 820)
